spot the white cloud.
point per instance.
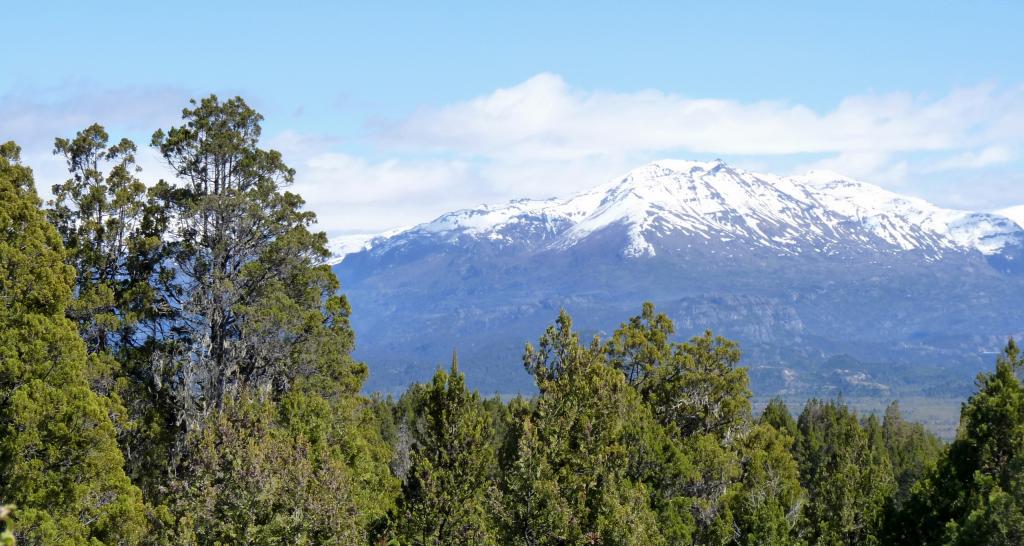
(876, 167)
(544, 137)
(34, 117)
(351, 194)
(544, 118)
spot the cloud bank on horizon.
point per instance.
(545, 137)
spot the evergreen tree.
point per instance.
(113, 231)
(259, 308)
(569, 481)
(112, 228)
(695, 387)
(59, 459)
(703, 400)
(642, 346)
(529, 510)
(769, 500)
(253, 481)
(778, 416)
(260, 325)
(444, 497)
(717, 480)
(846, 472)
(973, 495)
(911, 448)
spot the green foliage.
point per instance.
(568, 481)
(113, 230)
(995, 519)
(769, 498)
(260, 351)
(642, 346)
(211, 316)
(259, 306)
(253, 481)
(912, 450)
(648, 435)
(846, 472)
(59, 460)
(778, 416)
(972, 495)
(716, 478)
(6, 527)
(444, 497)
(695, 387)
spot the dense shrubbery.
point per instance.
(175, 369)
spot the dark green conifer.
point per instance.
(445, 495)
(112, 227)
(59, 459)
(715, 479)
(846, 472)
(911, 448)
(570, 480)
(261, 331)
(124, 296)
(777, 415)
(974, 493)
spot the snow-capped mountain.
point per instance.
(826, 281)
(661, 202)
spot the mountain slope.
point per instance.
(799, 269)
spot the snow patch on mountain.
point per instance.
(1013, 213)
(345, 245)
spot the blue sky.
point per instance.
(394, 112)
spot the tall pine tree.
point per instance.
(846, 472)
(716, 478)
(261, 331)
(113, 227)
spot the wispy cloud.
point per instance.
(876, 166)
(34, 117)
(992, 155)
(350, 194)
(544, 136)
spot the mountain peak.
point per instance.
(669, 204)
(824, 176)
(686, 165)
